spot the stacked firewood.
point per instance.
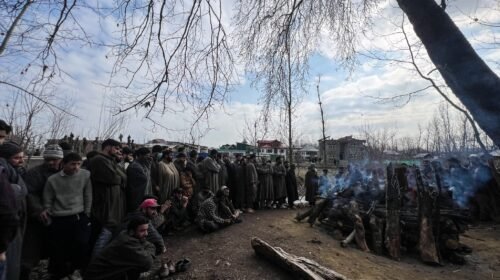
(390, 227)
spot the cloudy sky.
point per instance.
(351, 97)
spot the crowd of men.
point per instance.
(106, 216)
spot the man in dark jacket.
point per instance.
(11, 159)
(108, 182)
(126, 257)
(291, 186)
(138, 179)
(35, 245)
(8, 216)
(148, 209)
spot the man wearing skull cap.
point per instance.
(36, 239)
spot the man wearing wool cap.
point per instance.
(36, 236)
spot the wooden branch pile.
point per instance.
(429, 229)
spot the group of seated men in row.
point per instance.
(86, 214)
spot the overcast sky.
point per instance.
(349, 96)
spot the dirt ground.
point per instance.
(227, 254)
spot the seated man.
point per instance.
(177, 216)
(126, 257)
(148, 209)
(225, 206)
(208, 219)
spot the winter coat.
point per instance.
(108, 182)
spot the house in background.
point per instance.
(343, 149)
(241, 148)
(271, 149)
(306, 154)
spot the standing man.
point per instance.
(35, 245)
(279, 173)
(108, 181)
(11, 159)
(67, 199)
(311, 184)
(211, 171)
(223, 174)
(291, 186)
(5, 130)
(251, 181)
(168, 177)
(9, 218)
(266, 193)
(138, 179)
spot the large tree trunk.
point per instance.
(468, 76)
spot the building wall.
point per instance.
(350, 150)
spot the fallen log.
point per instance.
(304, 267)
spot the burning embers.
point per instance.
(415, 212)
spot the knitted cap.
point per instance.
(53, 151)
(9, 149)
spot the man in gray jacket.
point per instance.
(67, 199)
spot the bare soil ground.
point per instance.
(227, 254)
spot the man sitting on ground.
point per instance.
(208, 219)
(148, 209)
(225, 206)
(177, 217)
(126, 257)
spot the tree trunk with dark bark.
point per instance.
(393, 206)
(468, 76)
(427, 199)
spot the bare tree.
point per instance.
(181, 51)
(414, 55)
(253, 131)
(470, 79)
(322, 120)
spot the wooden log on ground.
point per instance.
(303, 267)
(393, 205)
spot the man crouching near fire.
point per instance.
(126, 257)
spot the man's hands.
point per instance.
(45, 217)
(3, 257)
(165, 206)
(184, 201)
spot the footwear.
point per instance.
(183, 265)
(250, 211)
(171, 268)
(164, 271)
